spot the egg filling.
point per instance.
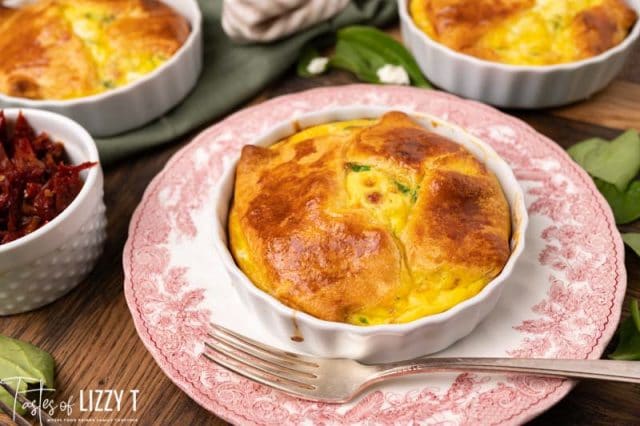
(525, 32)
(65, 49)
(368, 221)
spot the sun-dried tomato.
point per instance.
(5, 162)
(36, 180)
(25, 160)
(3, 130)
(31, 189)
(22, 129)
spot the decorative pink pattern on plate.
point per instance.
(564, 301)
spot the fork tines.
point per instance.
(282, 370)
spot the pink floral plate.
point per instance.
(563, 299)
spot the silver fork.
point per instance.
(341, 380)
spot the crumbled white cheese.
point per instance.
(393, 74)
(317, 65)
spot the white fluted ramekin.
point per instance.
(381, 342)
(44, 265)
(514, 86)
(136, 104)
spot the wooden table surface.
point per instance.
(92, 338)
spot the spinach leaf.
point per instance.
(580, 151)
(629, 336)
(616, 162)
(357, 60)
(21, 359)
(358, 167)
(414, 194)
(633, 241)
(362, 51)
(402, 188)
(625, 204)
(385, 49)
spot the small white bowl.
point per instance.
(380, 343)
(136, 104)
(514, 86)
(44, 265)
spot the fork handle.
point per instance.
(619, 371)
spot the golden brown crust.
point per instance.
(314, 247)
(526, 31)
(45, 57)
(317, 263)
(401, 141)
(459, 23)
(601, 27)
(149, 27)
(462, 221)
(40, 55)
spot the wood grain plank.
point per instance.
(5, 420)
(595, 404)
(618, 107)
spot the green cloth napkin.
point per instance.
(233, 73)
